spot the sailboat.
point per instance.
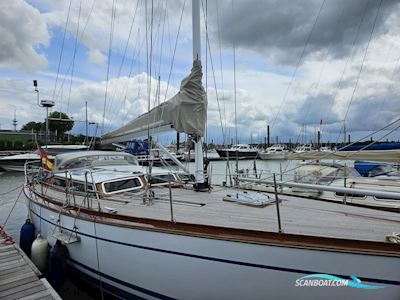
(185, 240)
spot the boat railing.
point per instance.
(321, 187)
(31, 170)
(35, 174)
(44, 178)
(71, 191)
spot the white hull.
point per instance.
(11, 168)
(154, 264)
(270, 156)
(17, 162)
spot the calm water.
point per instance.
(74, 289)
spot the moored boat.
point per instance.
(241, 151)
(17, 162)
(171, 228)
(304, 149)
(274, 152)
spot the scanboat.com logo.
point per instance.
(317, 280)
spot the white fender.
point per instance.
(39, 252)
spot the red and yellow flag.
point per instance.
(46, 163)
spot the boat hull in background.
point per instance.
(273, 156)
(233, 154)
(17, 165)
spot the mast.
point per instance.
(86, 125)
(196, 29)
(198, 141)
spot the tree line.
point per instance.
(55, 126)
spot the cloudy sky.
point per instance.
(296, 63)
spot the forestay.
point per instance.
(185, 112)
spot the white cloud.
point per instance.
(97, 24)
(97, 57)
(22, 29)
(261, 82)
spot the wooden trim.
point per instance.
(233, 234)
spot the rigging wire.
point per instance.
(157, 129)
(169, 37)
(345, 67)
(298, 65)
(363, 61)
(303, 131)
(235, 97)
(317, 84)
(205, 16)
(74, 55)
(214, 77)
(352, 54)
(228, 167)
(162, 40)
(61, 53)
(121, 100)
(135, 58)
(234, 82)
(111, 102)
(148, 71)
(113, 11)
(174, 53)
(79, 44)
(395, 71)
(157, 95)
(156, 52)
(172, 62)
(342, 75)
(220, 66)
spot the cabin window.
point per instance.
(161, 179)
(80, 187)
(77, 186)
(385, 198)
(59, 182)
(122, 185)
(349, 195)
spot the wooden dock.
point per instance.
(19, 278)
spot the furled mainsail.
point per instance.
(184, 112)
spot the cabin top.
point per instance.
(85, 159)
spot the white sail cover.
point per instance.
(185, 112)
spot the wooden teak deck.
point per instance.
(19, 278)
(298, 215)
